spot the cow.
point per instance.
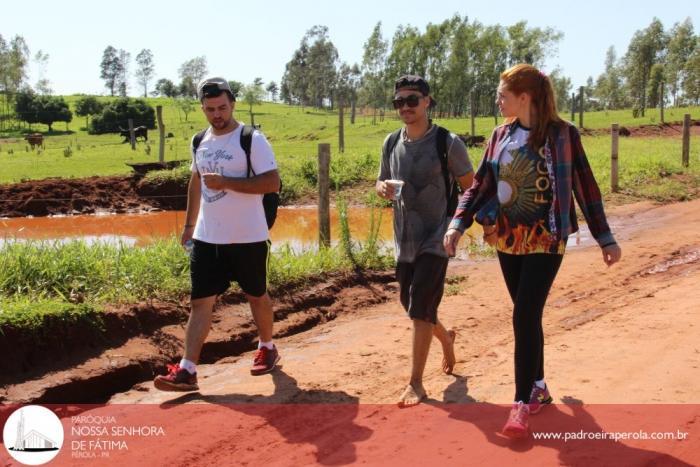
(139, 132)
(35, 139)
(471, 141)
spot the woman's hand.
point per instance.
(490, 234)
(612, 254)
(451, 240)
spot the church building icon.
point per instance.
(33, 440)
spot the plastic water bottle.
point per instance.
(189, 244)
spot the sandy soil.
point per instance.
(625, 334)
(628, 335)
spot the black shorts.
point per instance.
(214, 267)
(421, 285)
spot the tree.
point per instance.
(562, 88)
(295, 81)
(41, 59)
(191, 73)
(236, 87)
(42, 109)
(116, 114)
(165, 87)
(373, 67)
(691, 78)
(656, 79)
(531, 45)
(187, 88)
(609, 85)
(322, 63)
(14, 58)
(145, 70)
(87, 106)
(253, 94)
(273, 90)
(185, 105)
(681, 45)
(310, 75)
(123, 72)
(645, 49)
(52, 109)
(347, 86)
(110, 68)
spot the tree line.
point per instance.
(463, 59)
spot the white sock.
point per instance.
(540, 384)
(262, 344)
(188, 365)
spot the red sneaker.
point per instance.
(264, 361)
(539, 398)
(177, 379)
(517, 424)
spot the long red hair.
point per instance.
(522, 78)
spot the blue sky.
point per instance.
(242, 40)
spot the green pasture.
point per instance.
(295, 133)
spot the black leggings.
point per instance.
(529, 278)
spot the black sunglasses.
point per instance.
(411, 101)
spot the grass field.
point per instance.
(295, 134)
(74, 281)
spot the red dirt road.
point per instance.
(629, 334)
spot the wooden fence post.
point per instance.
(341, 127)
(131, 134)
(324, 216)
(580, 107)
(661, 102)
(472, 110)
(686, 140)
(614, 158)
(161, 133)
(573, 108)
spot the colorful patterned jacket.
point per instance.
(569, 172)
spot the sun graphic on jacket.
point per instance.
(517, 190)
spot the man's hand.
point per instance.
(612, 254)
(214, 181)
(450, 241)
(187, 233)
(384, 190)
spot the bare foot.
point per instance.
(448, 351)
(412, 396)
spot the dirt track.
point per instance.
(625, 334)
(629, 334)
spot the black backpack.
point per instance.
(451, 190)
(271, 201)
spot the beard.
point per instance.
(221, 123)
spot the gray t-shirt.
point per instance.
(420, 216)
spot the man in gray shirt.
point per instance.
(428, 160)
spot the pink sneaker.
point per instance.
(539, 398)
(517, 426)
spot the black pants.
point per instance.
(529, 278)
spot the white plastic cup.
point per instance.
(398, 185)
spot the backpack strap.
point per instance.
(246, 143)
(391, 142)
(451, 190)
(196, 141)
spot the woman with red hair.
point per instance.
(522, 192)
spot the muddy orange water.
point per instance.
(297, 226)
